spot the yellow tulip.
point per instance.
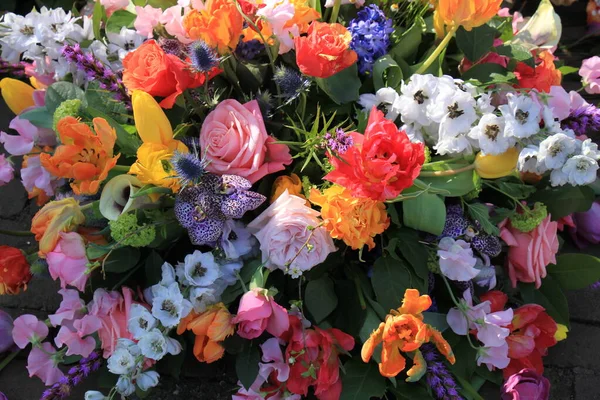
(542, 31)
(561, 332)
(152, 124)
(17, 95)
(466, 13)
(55, 217)
(496, 166)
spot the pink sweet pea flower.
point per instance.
(28, 136)
(71, 308)
(172, 19)
(259, 311)
(68, 261)
(40, 363)
(7, 172)
(147, 18)
(273, 355)
(33, 176)
(590, 74)
(76, 341)
(28, 329)
(113, 5)
(493, 357)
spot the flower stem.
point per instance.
(438, 50)
(447, 172)
(335, 11)
(122, 168)
(239, 277)
(8, 359)
(15, 233)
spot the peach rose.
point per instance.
(530, 252)
(236, 142)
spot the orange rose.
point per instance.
(150, 69)
(220, 25)
(291, 183)
(85, 156)
(542, 77)
(14, 270)
(325, 51)
(55, 217)
(211, 327)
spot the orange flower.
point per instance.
(354, 220)
(468, 14)
(14, 270)
(404, 330)
(325, 51)
(85, 156)
(220, 25)
(303, 15)
(291, 183)
(542, 77)
(55, 217)
(211, 327)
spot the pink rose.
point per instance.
(112, 309)
(6, 171)
(113, 5)
(235, 141)
(590, 72)
(283, 230)
(41, 363)
(259, 311)
(68, 261)
(530, 252)
(172, 20)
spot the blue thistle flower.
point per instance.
(248, 50)
(370, 36)
(291, 83)
(202, 56)
(188, 167)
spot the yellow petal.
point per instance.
(496, 166)
(152, 124)
(561, 332)
(543, 30)
(17, 95)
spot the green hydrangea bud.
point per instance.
(65, 109)
(427, 154)
(529, 220)
(126, 231)
(433, 263)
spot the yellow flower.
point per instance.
(468, 14)
(55, 217)
(496, 166)
(153, 164)
(17, 95)
(356, 221)
(292, 183)
(561, 332)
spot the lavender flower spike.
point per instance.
(440, 380)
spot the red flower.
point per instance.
(315, 359)
(497, 299)
(532, 332)
(542, 77)
(14, 270)
(381, 164)
(325, 51)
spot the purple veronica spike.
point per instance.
(438, 377)
(75, 376)
(583, 120)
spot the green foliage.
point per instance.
(408, 43)
(342, 87)
(362, 381)
(407, 242)
(152, 268)
(475, 43)
(59, 92)
(483, 72)
(426, 212)
(390, 280)
(101, 99)
(39, 116)
(565, 200)
(127, 143)
(320, 298)
(481, 213)
(246, 364)
(122, 260)
(119, 19)
(550, 296)
(386, 73)
(516, 52)
(575, 271)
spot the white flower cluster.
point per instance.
(117, 47)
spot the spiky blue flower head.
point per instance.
(370, 36)
(202, 56)
(249, 50)
(188, 167)
(291, 82)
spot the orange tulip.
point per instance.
(469, 14)
(220, 25)
(405, 331)
(55, 217)
(211, 327)
(85, 156)
(291, 183)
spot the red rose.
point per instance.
(325, 51)
(14, 270)
(542, 77)
(381, 164)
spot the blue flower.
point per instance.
(188, 167)
(370, 36)
(202, 56)
(249, 50)
(291, 83)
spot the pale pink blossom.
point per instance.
(43, 79)
(42, 364)
(112, 309)
(456, 260)
(7, 172)
(258, 312)
(34, 175)
(71, 308)
(195, 4)
(28, 329)
(113, 5)
(28, 136)
(68, 261)
(518, 21)
(78, 340)
(493, 357)
(147, 18)
(172, 19)
(590, 72)
(278, 13)
(273, 361)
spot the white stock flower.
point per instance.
(201, 298)
(122, 43)
(581, 170)
(454, 145)
(124, 386)
(522, 116)
(121, 362)
(200, 269)
(551, 122)
(489, 133)
(415, 97)
(558, 178)
(153, 345)
(590, 149)
(528, 161)
(167, 274)
(140, 321)
(386, 99)
(555, 149)
(94, 395)
(459, 115)
(484, 104)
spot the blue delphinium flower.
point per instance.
(203, 58)
(370, 36)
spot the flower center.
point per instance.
(143, 323)
(383, 107)
(26, 30)
(555, 149)
(582, 165)
(420, 97)
(198, 270)
(492, 131)
(169, 307)
(157, 347)
(454, 112)
(88, 155)
(522, 116)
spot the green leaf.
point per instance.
(152, 268)
(246, 364)
(425, 213)
(342, 87)
(101, 99)
(410, 391)
(516, 52)
(407, 242)
(175, 362)
(475, 43)
(483, 72)
(362, 381)
(565, 200)
(98, 17)
(320, 298)
(453, 185)
(163, 4)
(390, 280)
(61, 91)
(39, 117)
(119, 19)
(481, 213)
(151, 189)
(235, 290)
(492, 376)
(122, 260)
(575, 271)
(408, 43)
(437, 320)
(566, 70)
(128, 144)
(550, 296)
(386, 73)
(95, 251)
(519, 191)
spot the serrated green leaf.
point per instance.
(61, 91)
(481, 213)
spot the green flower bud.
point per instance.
(529, 220)
(126, 231)
(65, 109)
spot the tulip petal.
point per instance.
(152, 124)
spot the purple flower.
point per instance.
(583, 120)
(339, 142)
(6, 327)
(526, 384)
(587, 227)
(74, 377)
(438, 377)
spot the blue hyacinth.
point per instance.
(370, 36)
(203, 58)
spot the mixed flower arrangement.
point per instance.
(349, 198)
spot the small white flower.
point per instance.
(167, 274)
(458, 114)
(416, 97)
(200, 269)
(484, 104)
(454, 145)
(590, 149)
(551, 122)
(124, 386)
(153, 345)
(201, 298)
(128, 345)
(140, 321)
(94, 395)
(581, 170)
(456, 260)
(386, 99)
(168, 304)
(558, 178)
(121, 362)
(555, 149)
(528, 161)
(414, 132)
(489, 132)
(522, 116)
(147, 380)
(173, 346)
(122, 43)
